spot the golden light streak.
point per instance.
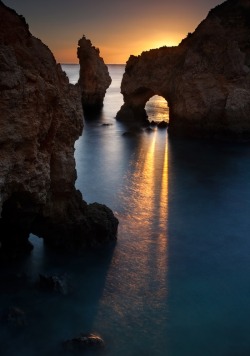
(143, 232)
(164, 194)
(146, 196)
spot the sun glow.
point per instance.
(157, 109)
(162, 43)
(111, 53)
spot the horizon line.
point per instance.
(108, 64)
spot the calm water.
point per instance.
(178, 280)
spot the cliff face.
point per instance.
(206, 79)
(94, 76)
(41, 117)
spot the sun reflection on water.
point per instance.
(142, 230)
(131, 299)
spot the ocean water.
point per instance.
(177, 282)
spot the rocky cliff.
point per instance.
(206, 79)
(41, 117)
(94, 76)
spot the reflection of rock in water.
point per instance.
(205, 79)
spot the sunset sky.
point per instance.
(117, 27)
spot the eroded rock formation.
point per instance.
(41, 117)
(94, 76)
(206, 79)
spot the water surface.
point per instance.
(178, 280)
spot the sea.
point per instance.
(177, 281)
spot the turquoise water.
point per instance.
(178, 280)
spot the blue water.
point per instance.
(178, 280)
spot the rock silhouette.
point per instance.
(41, 117)
(94, 76)
(206, 79)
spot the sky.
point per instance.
(119, 28)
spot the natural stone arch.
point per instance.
(134, 109)
(206, 79)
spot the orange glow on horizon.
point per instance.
(111, 54)
(118, 29)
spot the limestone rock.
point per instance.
(206, 79)
(84, 342)
(94, 76)
(41, 118)
(54, 283)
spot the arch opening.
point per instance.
(157, 109)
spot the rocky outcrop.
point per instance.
(83, 343)
(94, 76)
(41, 117)
(206, 79)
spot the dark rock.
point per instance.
(162, 125)
(96, 226)
(54, 283)
(15, 317)
(153, 123)
(94, 76)
(205, 80)
(83, 343)
(41, 118)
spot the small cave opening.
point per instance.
(157, 109)
(18, 212)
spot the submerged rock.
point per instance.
(15, 317)
(54, 283)
(83, 343)
(41, 118)
(205, 80)
(94, 76)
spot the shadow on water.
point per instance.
(52, 317)
(208, 232)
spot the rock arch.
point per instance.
(205, 80)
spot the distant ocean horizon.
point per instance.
(107, 64)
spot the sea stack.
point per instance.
(94, 76)
(206, 79)
(41, 117)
